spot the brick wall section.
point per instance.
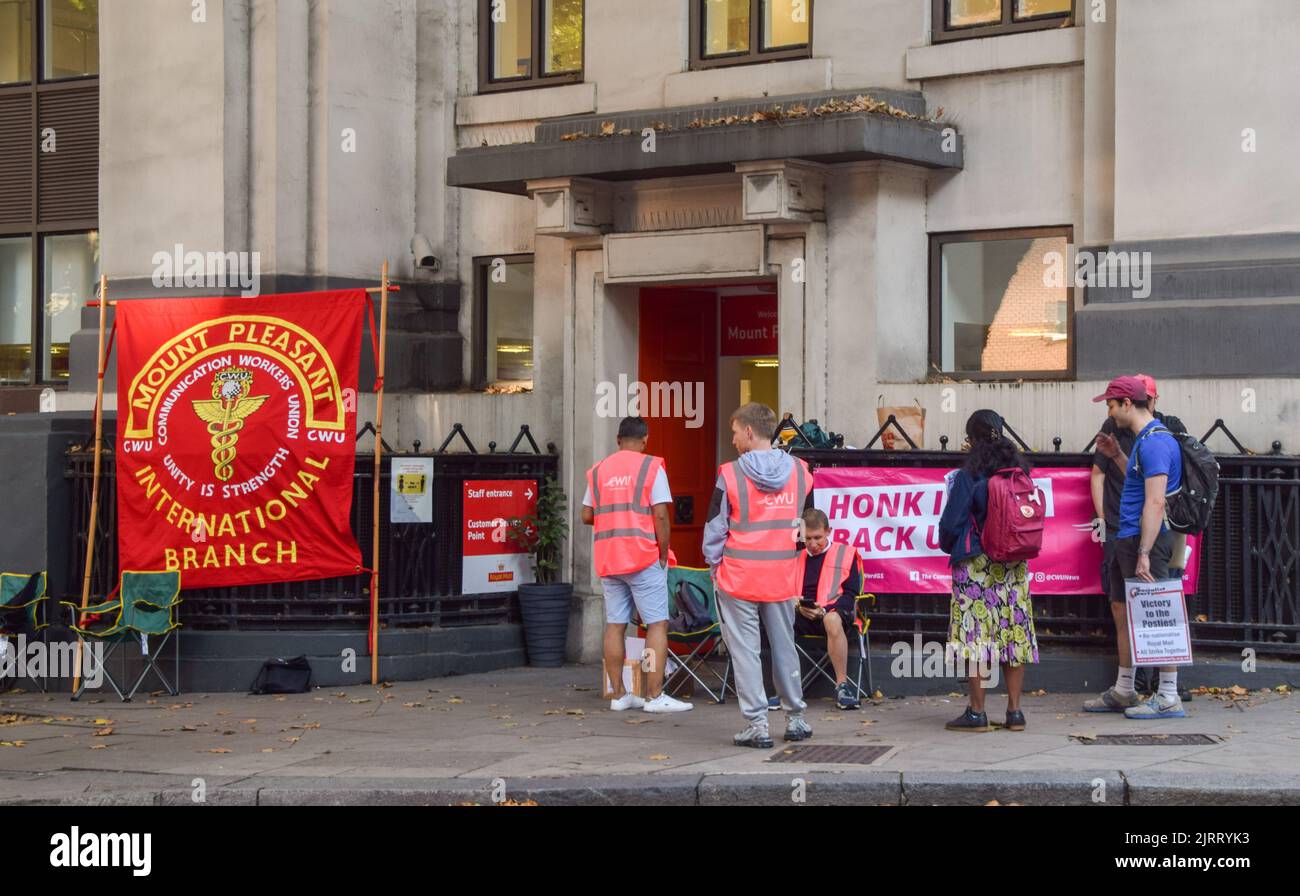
(1028, 307)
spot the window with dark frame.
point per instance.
(962, 19)
(529, 43)
(49, 176)
(1002, 304)
(503, 323)
(744, 32)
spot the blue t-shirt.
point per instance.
(1160, 456)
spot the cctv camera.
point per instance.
(423, 252)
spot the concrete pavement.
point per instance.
(545, 736)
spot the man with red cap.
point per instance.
(1137, 542)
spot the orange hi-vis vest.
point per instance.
(835, 569)
(760, 562)
(624, 518)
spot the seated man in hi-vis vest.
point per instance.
(751, 544)
(832, 581)
(627, 504)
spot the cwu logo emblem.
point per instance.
(225, 416)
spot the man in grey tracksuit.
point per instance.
(771, 472)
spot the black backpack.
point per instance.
(283, 677)
(692, 610)
(1188, 510)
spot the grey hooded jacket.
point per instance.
(769, 470)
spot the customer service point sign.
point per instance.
(492, 561)
(1157, 623)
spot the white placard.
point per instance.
(1157, 623)
(411, 490)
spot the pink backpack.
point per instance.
(1013, 530)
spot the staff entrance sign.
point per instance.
(492, 561)
(1157, 623)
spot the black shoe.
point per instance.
(1185, 695)
(970, 720)
(1015, 720)
(846, 696)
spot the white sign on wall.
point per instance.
(411, 490)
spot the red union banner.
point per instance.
(235, 438)
(891, 515)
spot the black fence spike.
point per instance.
(369, 429)
(456, 430)
(1015, 435)
(1220, 426)
(892, 421)
(524, 433)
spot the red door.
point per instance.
(679, 345)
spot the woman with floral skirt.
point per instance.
(992, 618)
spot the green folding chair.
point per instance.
(143, 607)
(23, 600)
(692, 651)
(820, 665)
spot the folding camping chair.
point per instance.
(22, 612)
(145, 605)
(820, 665)
(691, 651)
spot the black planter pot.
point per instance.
(545, 609)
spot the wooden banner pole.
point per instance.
(379, 449)
(94, 487)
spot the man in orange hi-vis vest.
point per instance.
(751, 543)
(832, 580)
(627, 504)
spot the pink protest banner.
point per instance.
(891, 515)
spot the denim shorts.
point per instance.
(646, 589)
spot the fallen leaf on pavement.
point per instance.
(103, 732)
(100, 746)
(217, 750)
(412, 705)
(659, 757)
(359, 700)
(455, 700)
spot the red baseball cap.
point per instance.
(1150, 384)
(1122, 387)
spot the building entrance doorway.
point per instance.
(703, 352)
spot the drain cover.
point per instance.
(830, 753)
(1151, 740)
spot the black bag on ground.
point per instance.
(692, 610)
(1188, 510)
(283, 677)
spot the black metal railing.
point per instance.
(420, 564)
(1248, 594)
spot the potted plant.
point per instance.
(545, 603)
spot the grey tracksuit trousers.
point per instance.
(740, 621)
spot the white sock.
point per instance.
(1124, 683)
(1169, 685)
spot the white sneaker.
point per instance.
(626, 702)
(664, 703)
